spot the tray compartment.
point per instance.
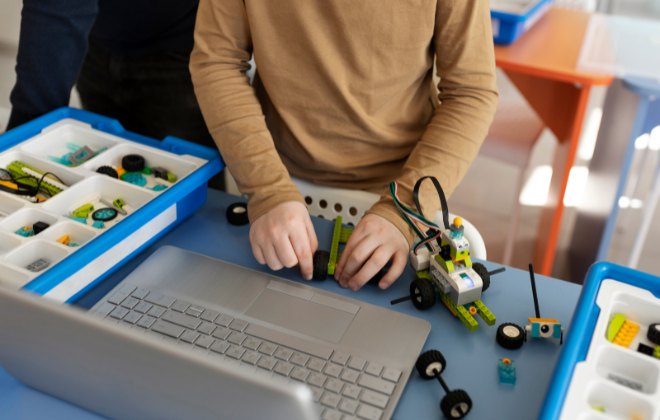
(10, 277)
(9, 204)
(33, 252)
(636, 372)
(8, 242)
(617, 402)
(77, 233)
(27, 217)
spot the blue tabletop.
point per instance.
(471, 356)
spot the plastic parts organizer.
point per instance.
(610, 364)
(512, 18)
(90, 223)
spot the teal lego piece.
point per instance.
(98, 224)
(506, 369)
(135, 178)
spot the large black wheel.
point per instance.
(320, 261)
(108, 170)
(237, 214)
(483, 273)
(133, 163)
(422, 294)
(456, 404)
(510, 336)
(653, 334)
(430, 364)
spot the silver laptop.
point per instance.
(199, 337)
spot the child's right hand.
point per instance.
(285, 237)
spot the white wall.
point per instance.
(10, 21)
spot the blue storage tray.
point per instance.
(591, 370)
(512, 18)
(152, 211)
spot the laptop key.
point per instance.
(330, 414)
(334, 385)
(374, 368)
(104, 309)
(350, 375)
(368, 412)
(351, 391)
(315, 364)
(140, 293)
(180, 306)
(267, 348)
(195, 311)
(252, 343)
(119, 312)
(189, 336)
(156, 311)
(183, 320)
(316, 379)
(283, 368)
(299, 359)
(130, 302)
(206, 328)
(143, 307)
(376, 384)
(209, 315)
(267, 362)
(219, 346)
(132, 317)
(288, 340)
(236, 338)
(330, 399)
(251, 357)
(224, 320)
(221, 333)
(168, 329)
(146, 321)
(374, 398)
(238, 325)
(332, 370)
(204, 342)
(299, 374)
(117, 297)
(357, 363)
(235, 352)
(348, 406)
(340, 357)
(283, 353)
(391, 374)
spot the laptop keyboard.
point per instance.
(345, 386)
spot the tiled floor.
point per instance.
(488, 205)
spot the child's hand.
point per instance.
(373, 243)
(285, 237)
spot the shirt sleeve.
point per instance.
(51, 50)
(467, 94)
(233, 114)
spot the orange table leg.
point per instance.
(562, 106)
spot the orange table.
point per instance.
(542, 64)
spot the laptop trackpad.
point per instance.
(326, 322)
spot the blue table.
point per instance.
(471, 357)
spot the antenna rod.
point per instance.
(536, 299)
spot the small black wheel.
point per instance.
(237, 214)
(422, 294)
(320, 261)
(653, 334)
(483, 273)
(456, 404)
(430, 364)
(108, 170)
(133, 163)
(510, 336)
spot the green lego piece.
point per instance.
(614, 326)
(484, 312)
(16, 168)
(334, 248)
(460, 312)
(656, 352)
(171, 177)
(83, 211)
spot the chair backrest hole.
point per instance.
(323, 204)
(338, 207)
(352, 211)
(308, 200)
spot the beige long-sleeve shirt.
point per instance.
(344, 95)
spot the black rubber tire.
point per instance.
(483, 273)
(430, 364)
(422, 294)
(133, 163)
(237, 214)
(320, 261)
(653, 334)
(456, 404)
(108, 170)
(510, 336)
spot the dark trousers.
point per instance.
(150, 95)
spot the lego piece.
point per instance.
(82, 211)
(120, 171)
(82, 220)
(653, 333)
(105, 214)
(614, 326)
(40, 227)
(506, 371)
(510, 336)
(237, 214)
(147, 170)
(626, 334)
(118, 205)
(38, 265)
(64, 239)
(109, 171)
(163, 173)
(159, 187)
(25, 231)
(456, 403)
(33, 179)
(80, 156)
(98, 224)
(627, 382)
(135, 178)
(133, 163)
